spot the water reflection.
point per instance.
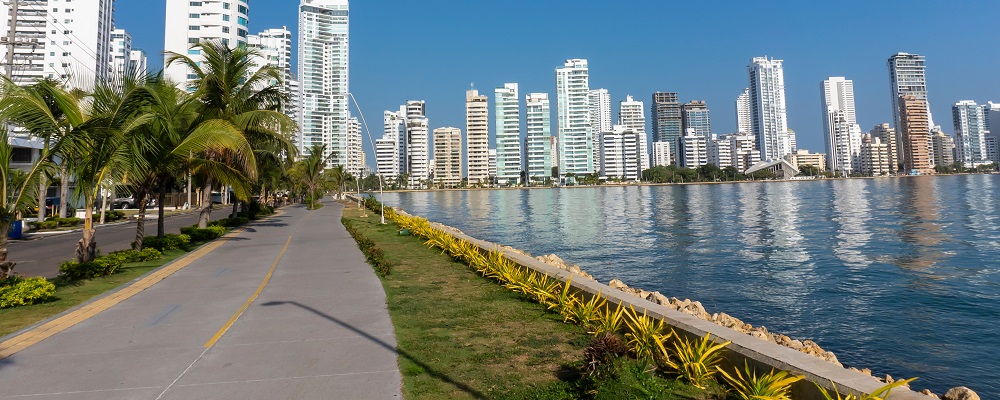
(919, 231)
(852, 211)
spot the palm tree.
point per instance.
(310, 173)
(18, 190)
(338, 178)
(229, 89)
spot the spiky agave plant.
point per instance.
(645, 335)
(770, 386)
(586, 312)
(562, 299)
(881, 393)
(696, 360)
(608, 320)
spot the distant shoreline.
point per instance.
(674, 184)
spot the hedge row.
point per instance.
(374, 255)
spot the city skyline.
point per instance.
(717, 78)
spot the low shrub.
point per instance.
(101, 266)
(203, 235)
(167, 242)
(71, 221)
(48, 224)
(131, 256)
(229, 222)
(109, 216)
(373, 254)
(17, 291)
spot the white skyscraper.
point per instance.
(693, 151)
(323, 74)
(538, 137)
(275, 47)
(970, 133)
(720, 151)
(70, 43)
(190, 22)
(477, 138)
(508, 133)
(744, 119)
(573, 113)
(121, 51)
(632, 115)
(600, 119)
(356, 155)
(138, 62)
(417, 150)
(767, 107)
(387, 149)
(842, 133)
(661, 154)
(620, 154)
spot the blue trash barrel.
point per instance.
(16, 230)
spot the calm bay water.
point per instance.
(898, 275)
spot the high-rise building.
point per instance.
(743, 150)
(600, 119)
(915, 143)
(693, 150)
(138, 62)
(477, 138)
(323, 74)
(508, 133)
(493, 164)
(70, 43)
(554, 146)
(121, 51)
(448, 157)
(191, 22)
(661, 154)
(275, 49)
(387, 152)
(767, 107)
(887, 136)
(840, 124)
(744, 119)
(874, 156)
(696, 116)
(417, 150)
(907, 76)
(944, 148)
(620, 154)
(970, 133)
(538, 138)
(666, 116)
(356, 156)
(576, 154)
(720, 151)
(993, 149)
(632, 115)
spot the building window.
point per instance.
(194, 28)
(193, 15)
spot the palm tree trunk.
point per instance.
(206, 210)
(236, 205)
(43, 187)
(104, 205)
(86, 248)
(140, 224)
(63, 192)
(160, 230)
(6, 267)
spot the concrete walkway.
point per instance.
(318, 329)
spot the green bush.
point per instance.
(101, 266)
(230, 222)
(131, 256)
(373, 254)
(167, 242)
(203, 235)
(17, 291)
(71, 221)
(109, 216)
(48, 224)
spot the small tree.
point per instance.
(18, 189)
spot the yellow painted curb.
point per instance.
(48, 329)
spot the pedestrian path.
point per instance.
(288, 309)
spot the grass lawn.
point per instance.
(71, 294)
(461, 336)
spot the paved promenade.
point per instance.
(287, 309)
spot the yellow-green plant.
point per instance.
(696, 360)
(542, 288)
(771, 386)
(608, 320)
(645, 335)
(881, 393)
(562, 299)
(586, 312)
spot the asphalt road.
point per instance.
(41, 255)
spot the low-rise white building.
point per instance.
(694, 150)
(661, 154)
(620, 154)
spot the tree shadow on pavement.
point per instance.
(425, 367)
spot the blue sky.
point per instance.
(432, 50)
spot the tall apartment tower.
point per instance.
(324, 33)
(907, 76)
(916, 144)
(417, 143)
(356, 155)
(620, 154)
(944, 148)
(121, 52)
(661, 154)
(508, 136)
(744, 120)
(632, 115)
(387, 149)
(448, 157)
(696, 116)
(970, 133)
(767, 107)
(874, 156)
(887, 136)
(600, 119)
(138, 62)
(477, 135)
(275, 48)
(576, 147)
(70, 43)
(190, 22)
(840, 124)
(666, 116)
(538, 138)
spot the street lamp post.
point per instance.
(372, 142)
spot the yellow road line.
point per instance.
(232, 320)
(48, 329)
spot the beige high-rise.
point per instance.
(448, 157)
(874, 156)
(477, 134)
(914, 132)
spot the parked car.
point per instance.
(128, 201)
(50, 206)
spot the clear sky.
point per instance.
(433, 50)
